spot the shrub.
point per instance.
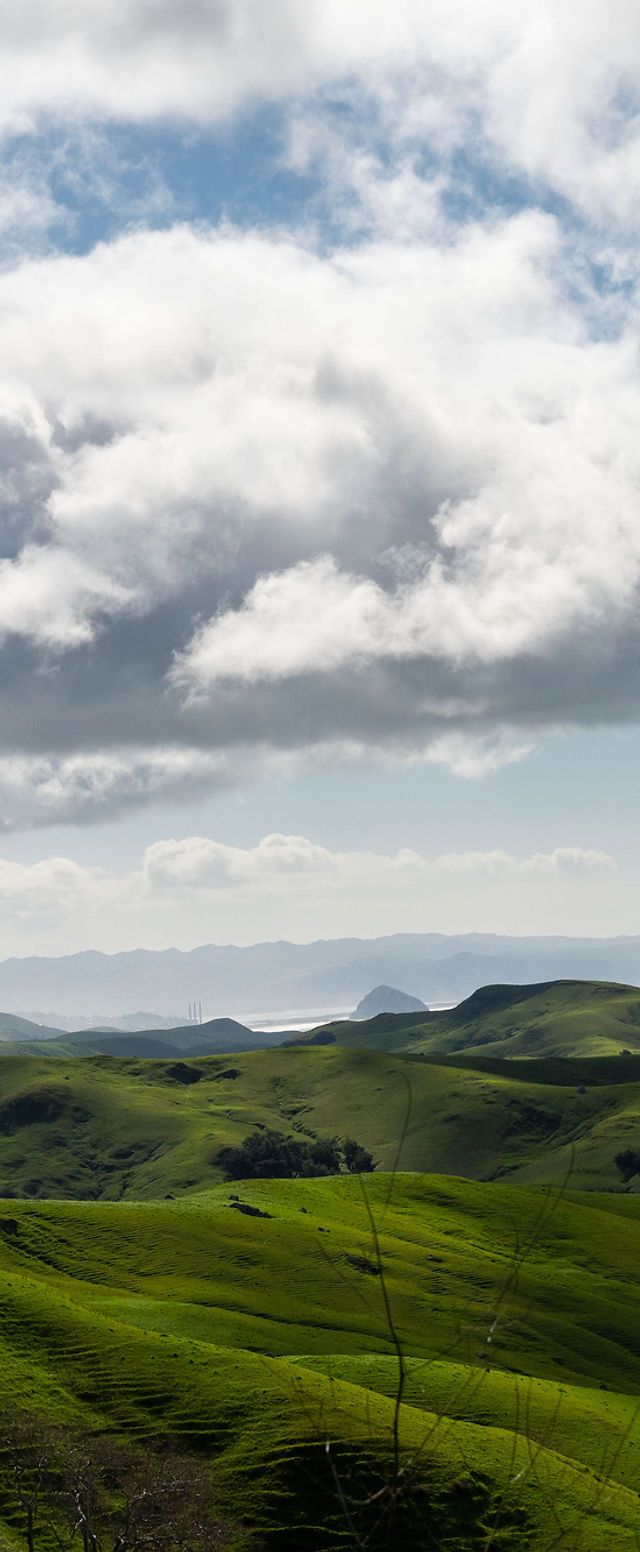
(268, 1155)
(358, 1161)
(628, 1163)
(93, 1491)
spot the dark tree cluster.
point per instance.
(268, 1155)
(92, 1492)
(628, 1163)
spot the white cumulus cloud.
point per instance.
(552, 91)
(362, 487)
(289, 885)
(351, 506)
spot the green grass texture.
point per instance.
(261, 1340)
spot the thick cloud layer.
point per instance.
(369, 489)
(379, 498)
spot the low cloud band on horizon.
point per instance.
(196, 888)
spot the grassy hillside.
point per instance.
(102, 1128)
(250, 1322)
(558, 1018)
(184, 1318)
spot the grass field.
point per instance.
(102, 1128)
(256, 1338)
(258, 1324)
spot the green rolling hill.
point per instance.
(557, 1018)
(257, 1324)
(512, 1310)
(105, 1128)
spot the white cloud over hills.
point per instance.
(199, 886)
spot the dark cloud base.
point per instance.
(112, 699)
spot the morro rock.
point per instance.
(387, 999)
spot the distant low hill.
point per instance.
(217, 1036)
(555, 1018)
(387, 999)
(13, 1027)
(120, 1023)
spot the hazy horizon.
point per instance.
(268, 983)
(258, 943)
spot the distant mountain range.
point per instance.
(272, 980)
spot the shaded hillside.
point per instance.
(104, 1127)
(555, 1018)
(13, 1027)
(208, 1039)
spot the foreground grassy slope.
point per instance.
(102, 1128)
(184, 1318)
(558, 1018)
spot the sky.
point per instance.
(319, 470)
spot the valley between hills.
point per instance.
(443, 1353)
